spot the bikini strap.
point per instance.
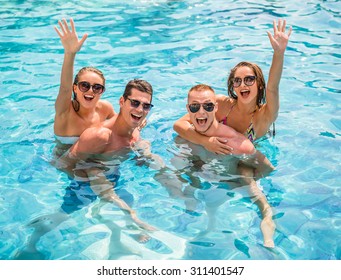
(250, 131)
(225, 119)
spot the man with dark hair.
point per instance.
(119, 131)
(111, 136)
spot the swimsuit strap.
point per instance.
(225, 119)
(230, 109)
(250, 131)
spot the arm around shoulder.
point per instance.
(184, 128)
(92, 141)
(213, 144)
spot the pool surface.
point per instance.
(173, 45)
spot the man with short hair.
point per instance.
(113, 135)
(90, 177)
(202, 106)
(118, 132)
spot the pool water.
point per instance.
(173, 45)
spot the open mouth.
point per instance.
(88, 97)
(201, 121)
(136, 117)
(244, 93)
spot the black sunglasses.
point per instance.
(135, 104)
(96, 88)
(248, 81)
(209, 107)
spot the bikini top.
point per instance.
(250, 131)
(67, 140)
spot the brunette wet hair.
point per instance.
(140, 85)
(75, 102)
(259, 79)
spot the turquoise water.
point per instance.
(173, 45)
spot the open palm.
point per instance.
(69, 38)
(279, 40)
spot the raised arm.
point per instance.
(71, 45)
(213, 144)
(279, 41)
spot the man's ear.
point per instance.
(121, 101)
(187, 108)
(216, 107)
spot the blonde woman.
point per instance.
(78, 105)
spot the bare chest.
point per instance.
(117, 143)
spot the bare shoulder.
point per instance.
(105, 109)
(221, 98)
(224, 105)
(104, 103)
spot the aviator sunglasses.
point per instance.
(96, 88)
(135, 104)
(248, 81)
(209, 107)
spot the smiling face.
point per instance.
(88, 99)
(246, 92)
(133, 115)
(202, 107)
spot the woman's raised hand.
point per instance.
(68, 37)
(279, 40)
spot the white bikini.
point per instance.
(67, 140)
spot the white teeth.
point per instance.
(201, 121)
(136, 116)
(89, 96)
